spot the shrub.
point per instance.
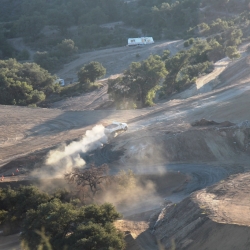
(186, 44)
(90, 72)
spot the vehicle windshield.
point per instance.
(112, 126)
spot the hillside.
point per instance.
(185, 154)
(208, 216)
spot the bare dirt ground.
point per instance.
(157, 137)
(96, 99)
(223, 201)
(213, 218)
(116, 60)
(10, 242)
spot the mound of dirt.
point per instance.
(131, 244)
(205, 122)
(216, 143)
(209, 218)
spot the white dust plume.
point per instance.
(62, 159)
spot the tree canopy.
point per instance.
(88, 227)
(64, 223)
(24, 84)
(138, 83)
(90, 72)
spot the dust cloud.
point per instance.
(129, 191)
(66, 157)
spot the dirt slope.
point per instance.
(213, 218)
(194, 145)
(116, 60)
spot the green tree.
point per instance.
(95, 16)
(90, 72)
(24, 84)
(232, 52)
(137, 82)
(60, 17)
(46, 60)
(66, 48)
(166, 54)
(30, 26)
(15, 203)
(75, 227)
(6, 50)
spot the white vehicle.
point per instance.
(115, 127)
(60, 81)
(140, 41)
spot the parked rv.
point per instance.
(140, 41)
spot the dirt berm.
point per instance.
(214, 143)
(217, 217)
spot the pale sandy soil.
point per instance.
(228, 202)
(116, 60)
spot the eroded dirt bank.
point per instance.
(216, 143)
(214, 218)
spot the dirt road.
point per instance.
(116, 60)
(25, 130)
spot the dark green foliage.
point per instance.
(90, 72)
(6, 50)
(66, 224)
(47, 61)
(15, 203)
(61, 54)
(191, 41)
(23, 55)
(186, 44)
(232, 52)
(166, 54)
(24, 84)
(30, 26)
(160, 19)
(138, 84)
(66, 48)
(95, 237)
(185, 66)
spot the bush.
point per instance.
(23, 55)
(67, 224)
(46, 60)
(57, 222)
(186, 44)
(14, 203)
(232, 52)
(24, 84)
(90, 72)
(66, 48)
(191, 41)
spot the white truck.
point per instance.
(140, 41)
(115, 127)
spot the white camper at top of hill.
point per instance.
(140, 41)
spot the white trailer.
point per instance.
(140, 41)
